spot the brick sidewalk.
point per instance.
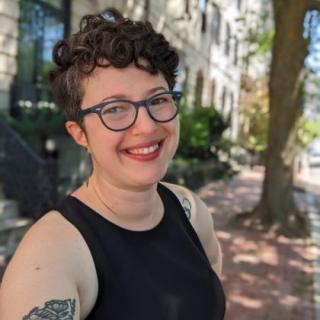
(265, 277)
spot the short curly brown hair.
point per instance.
(102, 42)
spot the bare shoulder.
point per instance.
(50, 238)
(202, 222)
(44, 272)
(193, 206)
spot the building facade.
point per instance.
(207, 34)
(9, 15)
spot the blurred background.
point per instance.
(246, 66)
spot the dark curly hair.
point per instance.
(103, 41)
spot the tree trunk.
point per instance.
(277, 207)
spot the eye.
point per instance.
(159, 100)
(115, 109)
(111, 110)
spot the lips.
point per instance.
(145, 151)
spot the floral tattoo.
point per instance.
(53, 310)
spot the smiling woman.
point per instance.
(123, 244)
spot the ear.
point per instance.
(77, 133)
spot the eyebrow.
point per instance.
(123, 96)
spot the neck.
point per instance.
(136, 209)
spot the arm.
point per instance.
(40, 279)
(204, 226)
(202, 222)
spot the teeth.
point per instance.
(144, 150)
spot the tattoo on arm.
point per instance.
(53, 310)
(187, 207)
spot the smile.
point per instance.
(144, 150)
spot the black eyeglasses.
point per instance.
(119, 115)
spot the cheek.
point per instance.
(102, 141)
(175, 134)
(178, 129)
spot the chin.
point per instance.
(146, 179)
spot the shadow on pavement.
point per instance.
(265, 276)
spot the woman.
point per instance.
(121, 245)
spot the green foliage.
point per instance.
(35, 125)
(256, 117)
(257, 135)
(201, 132)
(41, 122)
(308, 131)
(259, 38)
(259, 41)
(265, 41)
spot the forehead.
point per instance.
(111, 80)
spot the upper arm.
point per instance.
(202, 222)
(204, 226)
(39, 278)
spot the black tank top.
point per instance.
(158, 274)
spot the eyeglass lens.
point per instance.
(121, 114)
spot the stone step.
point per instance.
(11, 232)
(9, 209)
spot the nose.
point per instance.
(144, 124)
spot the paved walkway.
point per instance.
(266, 277)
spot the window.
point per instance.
(42, 23)
(203, 9)
(187, 8)
(186, 80)
(236, 51)
(231, 107)
(203, 22)
(199, 89)
(213, 93)
(239, 3)
(216, 24)
(223, 100)
(227, 40)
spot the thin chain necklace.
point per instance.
(100, 199)
(98, 196)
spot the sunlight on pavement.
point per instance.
(289, 300)
(224, 235)
(247, 302)
(265, 276)
(269, 255)
(246, 258)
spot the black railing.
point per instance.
(25, 176)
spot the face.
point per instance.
(139, 156)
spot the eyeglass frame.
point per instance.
(176, 95)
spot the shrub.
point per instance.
(36, 124)
(201, 132)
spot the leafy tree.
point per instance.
(255, 114)
(258, 41)
(277, 207)
(308, 131)
(258, 38)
